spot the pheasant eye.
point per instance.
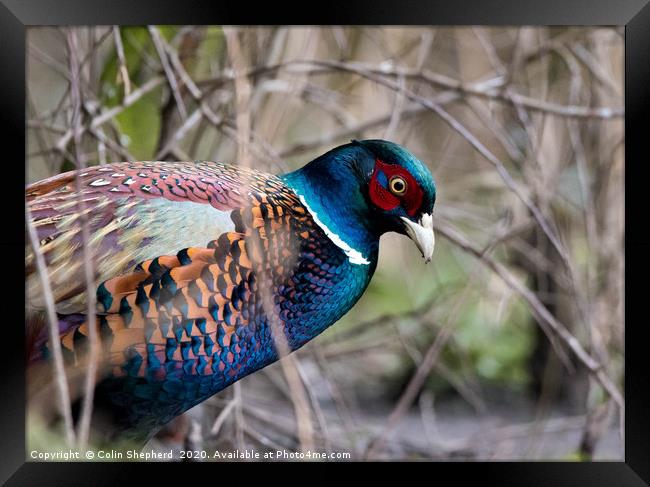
(397, 185)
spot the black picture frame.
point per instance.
(17, 15)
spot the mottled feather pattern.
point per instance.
(135, 210)
(178, 328)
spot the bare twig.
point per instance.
(63, 391)
(240, 425)
(93, 356)
(206, 112)
(223, 415)
(128, 101)
(437, 80)
(318, 412)
(111, 113)
(287, 361)
(539, 309)
(417, 380)
(171, 78)
(123, 71)
(242, 92)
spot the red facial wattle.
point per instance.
(383, 198)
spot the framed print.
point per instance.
(380, 235)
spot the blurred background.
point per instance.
(509, 345)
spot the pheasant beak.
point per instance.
(422, 234)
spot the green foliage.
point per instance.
(493, 335)
(498, 349)
(140, 124)
(210, 49)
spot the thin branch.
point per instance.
(240, 425)
(254, 243)
(63, 391)
(93, 356)
(223, 415)
(435, 79)
(128, 101)
(111, 113)
(318, 412)
(417, 380)
(362, 127)
(538, 309)
(171, 78)
(123, 71)
(221, 124)
(242, 95)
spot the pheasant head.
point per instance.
(359, 191)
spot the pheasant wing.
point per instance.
(134, 212)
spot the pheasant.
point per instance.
(195, 261)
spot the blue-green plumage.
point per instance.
(182, 326)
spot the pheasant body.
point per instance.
(179, 319)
